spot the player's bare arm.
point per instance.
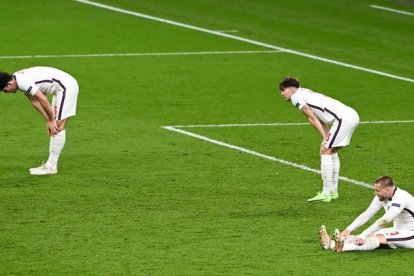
(380, 223)
(44, 103)
(36, 104)
(314, 121)
(325, 128)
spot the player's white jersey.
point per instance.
(400, 210)
(49, 80)
(325, 108)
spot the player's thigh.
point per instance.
(64, 102)
(399, 238)
(341, 132)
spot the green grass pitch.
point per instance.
(134, 198)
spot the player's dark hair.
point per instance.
(288, 82)
(385, 181)
(4, 79)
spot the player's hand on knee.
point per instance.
(324, 148)
(52, 128)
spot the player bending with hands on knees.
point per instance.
(37, 83)
(399, 209)
(322, 111)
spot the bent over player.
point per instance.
(322, 111)
(37, 83)
(399, 209)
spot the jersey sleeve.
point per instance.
(381, 222)
(363, 218)
(26, 84)
(397, 205)
(297, 101)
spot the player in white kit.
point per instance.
(399, 209)
(321, 112)
(37, 83)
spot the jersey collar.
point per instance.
(393, 193)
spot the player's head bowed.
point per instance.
(288, 82)
(4, 79)
(384, 181)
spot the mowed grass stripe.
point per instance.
(250, 41)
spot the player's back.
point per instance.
(48, 79)
(322, 101)
(404, 200)
(327, 109)
(39, 73)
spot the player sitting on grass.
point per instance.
(322, 110)
(399, 208)
(36, 83)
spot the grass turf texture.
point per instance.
(134, 198)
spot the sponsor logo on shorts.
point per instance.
(29, 89)
(396, 205)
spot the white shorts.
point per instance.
(398, 238)
(341, 131)
(64, 102)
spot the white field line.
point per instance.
(143, 54)
(286, 124)
(391, 10)
(268, 157)
(272, 158)
(250, 41)
(227, 31)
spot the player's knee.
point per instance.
(325, 151)
(382, 239)
(335, 150)
(61, 123)
(328, 151)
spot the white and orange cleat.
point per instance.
(339, 242)
(324, 238)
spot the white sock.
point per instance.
(371, 242)
(56, 145)
(349, 239)
(327, 173)
(332, 244)
(336, 168)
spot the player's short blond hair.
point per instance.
(385, 181)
